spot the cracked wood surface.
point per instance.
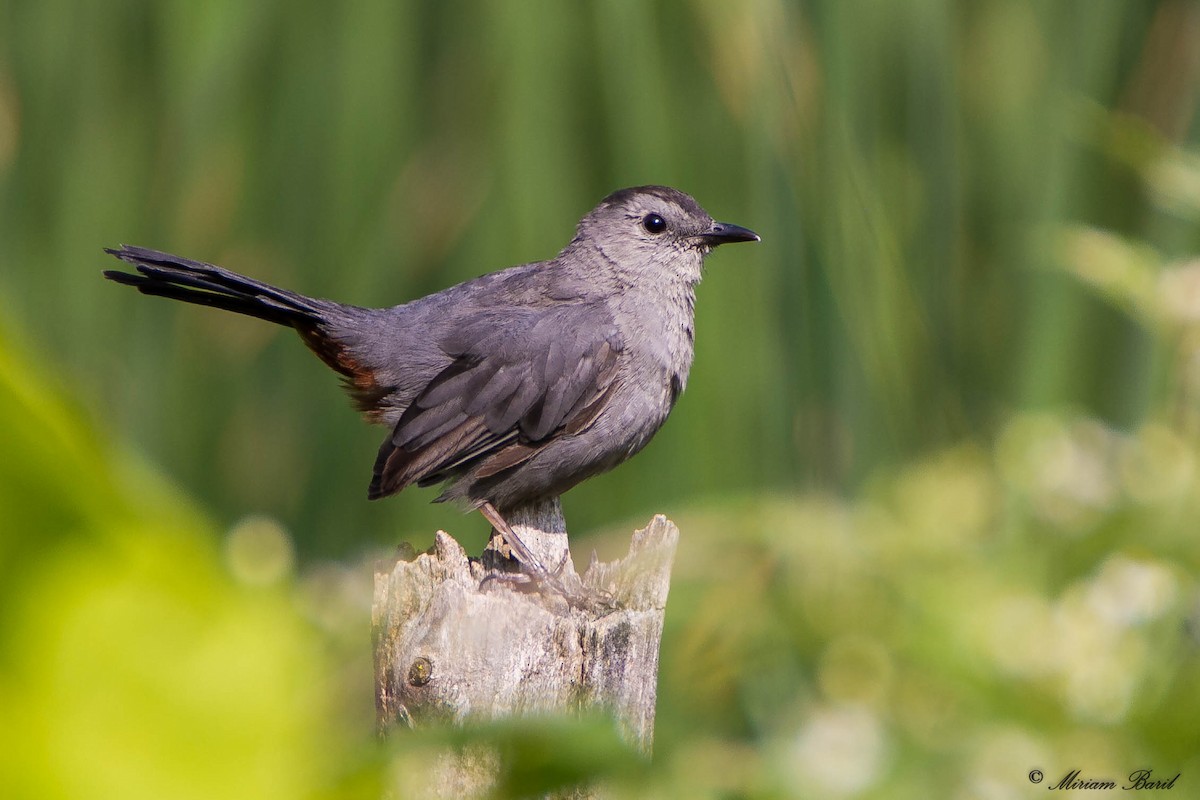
(450, 650)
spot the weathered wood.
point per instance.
(452, 647)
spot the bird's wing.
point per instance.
(517, 379)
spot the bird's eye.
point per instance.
(653, 223)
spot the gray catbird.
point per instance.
(514, 386)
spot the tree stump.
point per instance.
(452, 647)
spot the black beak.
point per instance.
(724, 233)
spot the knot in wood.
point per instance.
(420, 671)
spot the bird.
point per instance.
(514, 386)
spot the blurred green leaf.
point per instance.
(133, 664)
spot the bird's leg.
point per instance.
(534, 575)
(529, 562)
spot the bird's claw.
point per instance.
(536, 579)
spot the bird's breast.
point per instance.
(658, 332)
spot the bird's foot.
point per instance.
(523, 571)
(534, 578)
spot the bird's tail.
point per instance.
(165, 275)
(328, 328)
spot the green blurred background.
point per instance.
(936, 467)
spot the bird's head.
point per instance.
(654, 229)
